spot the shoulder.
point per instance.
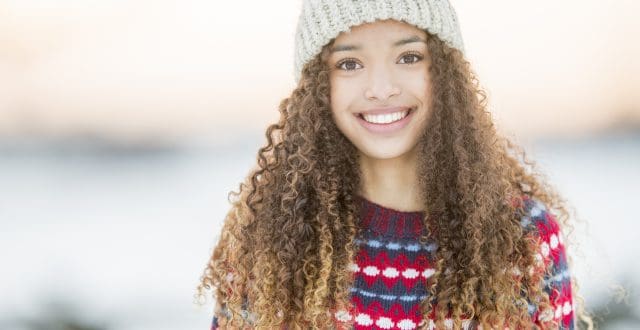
(538, 220)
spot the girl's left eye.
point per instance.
(416, 56)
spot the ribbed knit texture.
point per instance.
(392, 269)
(322, 20)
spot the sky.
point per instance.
(173, 69)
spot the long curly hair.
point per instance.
(288, 240)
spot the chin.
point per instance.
(384, 152)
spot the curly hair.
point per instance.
(288, 240)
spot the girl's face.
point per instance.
(380, 87)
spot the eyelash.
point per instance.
(346, 60)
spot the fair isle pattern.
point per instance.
(392, 269)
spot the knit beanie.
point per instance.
(322, 20)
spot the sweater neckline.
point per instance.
(388, 223)
(368, 204)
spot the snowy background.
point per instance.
(124, 125)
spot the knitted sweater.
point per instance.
(392, 267)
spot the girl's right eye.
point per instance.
(347, 65)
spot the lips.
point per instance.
(381, 111)
(389, 128)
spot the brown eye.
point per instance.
(347, 65)
(416, 57)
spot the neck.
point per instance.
(391, 182)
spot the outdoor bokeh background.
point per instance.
(124, 124)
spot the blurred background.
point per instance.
(124, 124)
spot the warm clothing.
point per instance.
(392, 268)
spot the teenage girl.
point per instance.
(384, 197)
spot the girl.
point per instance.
(385, 198)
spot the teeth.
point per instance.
(386, 118)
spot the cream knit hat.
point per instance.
(322, 20)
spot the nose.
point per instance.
(381, 84)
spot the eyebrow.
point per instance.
(344, 48)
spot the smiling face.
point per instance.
(380, 87)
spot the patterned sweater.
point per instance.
(392, 267)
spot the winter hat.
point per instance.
(322, 20)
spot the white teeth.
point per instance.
(386, 118)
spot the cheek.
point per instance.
(421, 88)
(340, 96)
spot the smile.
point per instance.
(386, 123)
(385, 118)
